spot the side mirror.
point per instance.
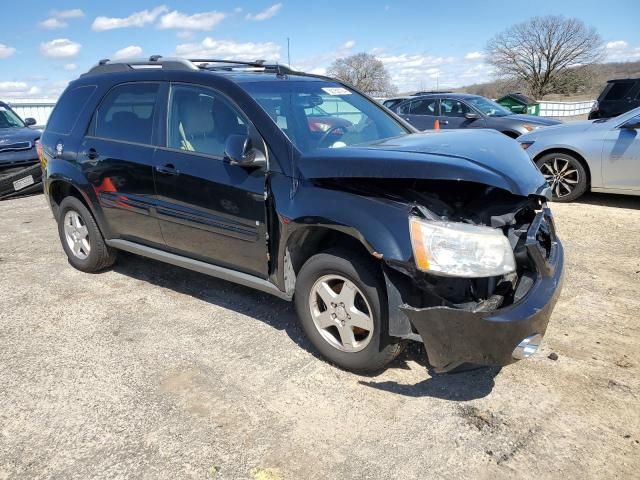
(471, 116)
(633, 124)
(29, 122)
(239, 151)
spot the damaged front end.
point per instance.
(488, 319)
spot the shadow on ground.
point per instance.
(281, 315)
(610, 200)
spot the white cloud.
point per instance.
(53, 23)
(70, 67)
(212, 48)
(137, 19)
(197, 21)
(621, 51)
(73, 13)
(474, 56)
(128, 52)
(60, 48)
(13, 87)
(348, 45)
(18, 90)
(265, 14)
(6, 51)
(617, 45)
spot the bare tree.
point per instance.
(365, 72)
(541, 52)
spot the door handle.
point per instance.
(168, 169)
(444, 122)
(91, 154)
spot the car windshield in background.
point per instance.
(489, 107)
(8, 119)
(323, 114)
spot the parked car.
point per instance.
(461, 110)
(380, 235)
(599, 155)
(20, 171)
(619, 96)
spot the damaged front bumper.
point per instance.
(502, 336)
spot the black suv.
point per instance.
(618, 97)
(20, 171)
(378, 233)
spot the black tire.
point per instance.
(579, 180)
(7, 188)
(100, 256)
(381, 349)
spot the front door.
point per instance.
(621, 157)
(209, 209)
(116, 156)
(452, 115)
(421, 113)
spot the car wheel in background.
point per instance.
(343, 310)
(565, 174)
(81, 238)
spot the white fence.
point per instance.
(39, 109)
(564, 109)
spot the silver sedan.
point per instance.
(599, 155)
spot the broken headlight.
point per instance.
(459, 249)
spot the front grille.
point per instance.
(10, 147)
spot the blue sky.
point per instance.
(45, 44)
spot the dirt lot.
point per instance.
(150, 371)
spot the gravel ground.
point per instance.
(150, 371)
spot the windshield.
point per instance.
(8, 119)
(489, 107)
(317, 114)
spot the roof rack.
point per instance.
(157, 61)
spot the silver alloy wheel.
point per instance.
(76, 234)
(560, 175)
(341, 313)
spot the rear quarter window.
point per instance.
(618, 90)
(69, 106)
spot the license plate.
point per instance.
(23, 182)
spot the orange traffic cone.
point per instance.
(436, 124)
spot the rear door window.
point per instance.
(424, 107)
(126, 113)
(69, 106)
(618, 90)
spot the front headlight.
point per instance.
(460, 250)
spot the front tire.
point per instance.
(81, 238)
(342, 307)
(566, 175)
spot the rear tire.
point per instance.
(353, 334)
(566, 175)
(81, 238)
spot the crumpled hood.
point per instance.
(482, 156)
(13, 135)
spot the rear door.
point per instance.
(421, 113)
(621, 158)
(116, 155)
(209, 209)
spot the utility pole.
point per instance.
(288, 53)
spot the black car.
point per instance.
(20, 171)
(461, 110)
(618, 97)
(379, 234)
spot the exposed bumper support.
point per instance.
(453, 336)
